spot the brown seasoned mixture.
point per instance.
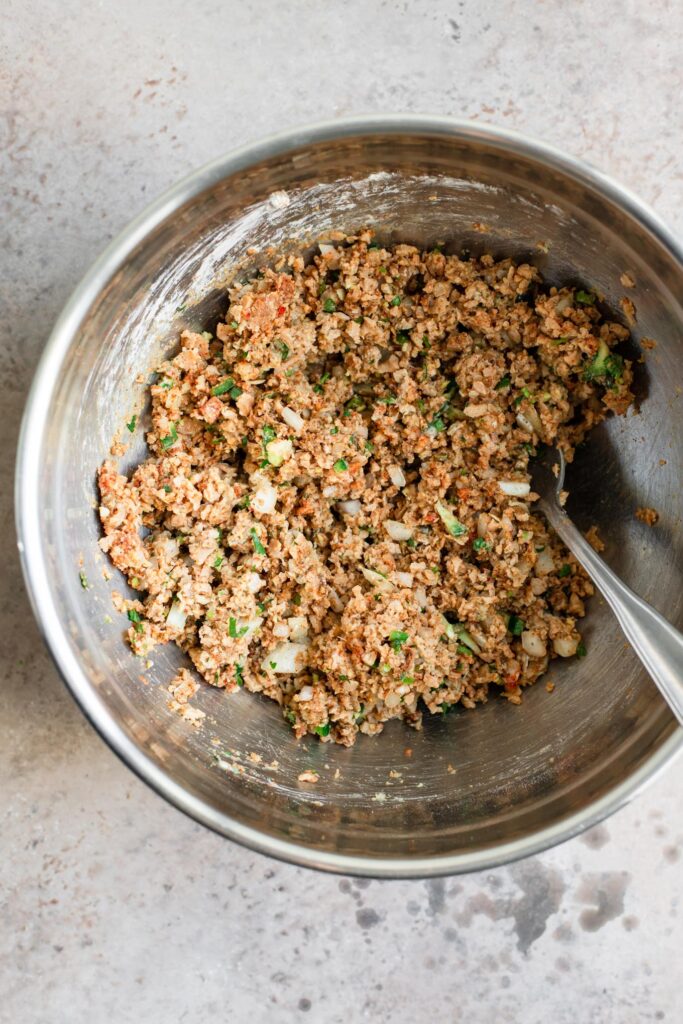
(336, 501)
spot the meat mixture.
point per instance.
(336, 511)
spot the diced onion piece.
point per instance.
(392, 700)
(281, 629)
(265, 498)
(532, 644)
(286, 658)
(529, 421)
(420, 597)
(544, 562)
(298, 628)
(565, 646)
(397, 476)
(305, 693)
(325, 247)
(278, 451)
(404, 578)
(251, 625)
(176, 617)
(398, 531)
(515, 488)
(292, 419)
(377, 579)
(453, 525)
(456, 631)
(254, 582)
(350, 508)
(564, 302)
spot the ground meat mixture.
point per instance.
(336, 510)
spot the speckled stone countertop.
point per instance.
(116, 908)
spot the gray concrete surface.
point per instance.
(115, 908)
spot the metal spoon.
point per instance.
(658, 645)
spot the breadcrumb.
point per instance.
(649, 516)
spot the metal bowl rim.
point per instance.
(27, 497)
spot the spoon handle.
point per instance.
(658, 645)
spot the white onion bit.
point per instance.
(305, 693)
(533, 645)
(265, 498)
(292, 419)
(286, 658)
(544, 562)
(396, 476)
(398, 531)
(377, 579)
(404, 578)
(565, 646)
(515, 488)
(350, 508)
(176, 617)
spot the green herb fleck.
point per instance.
(239, 677)
(329, 306)
(323, 730)
(581, 650)
(131, 425)
(565, 570)
(234, 632)
(504, 382)
(171, 438)
(334, 430)
(388, 399)
(585, 298)
(234, 325)
(402, 337)
(318, 388)
(167, 488)
(481, 545)
(516, 625)
(397, 638)
(283, 350)
(269, 434)
(340, 466)
(396, 301)
(134, 617)
(166, 384)
(223, 388)
(84, 580)
(258, 546)
(218, 561)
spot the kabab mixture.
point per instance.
(336, 508)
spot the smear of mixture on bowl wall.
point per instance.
(336, 498)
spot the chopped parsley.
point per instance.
(329, 306)
(388, 399)
(396, 301)
(585, 298)
(218, 561)
(565, 570)
(481, 545)
(323, 730)
(269, 434)
(258, 546)
(581, 650)
(453, 525)
(234, 325)
(334, 430)
(402, 337)
(134, 617)
(83, 580)
(283, 349)
(234, 632)
(318, 388)
(166, 384)
(504, 382)
(131, 425)
(340, 466)
(239, 677)
(225, 387)
(171, 438)
(516, 625)
(397, 638)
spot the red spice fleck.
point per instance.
(280, 310)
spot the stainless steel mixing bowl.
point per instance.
(478, 788)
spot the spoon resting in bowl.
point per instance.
(656, 642)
